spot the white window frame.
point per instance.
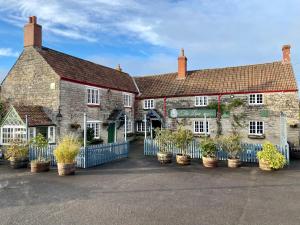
(51, 138)
(93, 96)
(96, 123)
(201, 132)
(255, 99)
(129, 126)
(201, 101)
(140, 127)
(256, 127)
(14, 133)
(33, 131)
(149, 104)
(127, 100)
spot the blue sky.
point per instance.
(145, 37)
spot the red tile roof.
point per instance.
(78, 70)
(35, 114)
(266, 77)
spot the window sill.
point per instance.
(201, 135)
(127, 106)
(256, 136)
(255, 105)
(200, 106)
(93, 105)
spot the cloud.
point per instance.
(8, 52)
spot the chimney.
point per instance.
(286, 54)
(182, 66)
(119, 68)
(32, 33)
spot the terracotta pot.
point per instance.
(65, 169)
(164, 157)
(16, 163)
(264, 165)
(233, 163)
(38, 167)
(209, 162)
(183, 159)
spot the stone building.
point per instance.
(64, 87)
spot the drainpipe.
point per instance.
(145, 121)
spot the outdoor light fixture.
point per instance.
(59, 116)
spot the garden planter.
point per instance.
(209, 162)
(233, 163)
(164, 157)
(38, 167)
(65, 169)
(18, 163)
(183, 159)
(264, 165)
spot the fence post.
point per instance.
(125, 128)
(145, 121)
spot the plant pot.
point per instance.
(233, 163)
(65, 169)
(164, 157)
(38, 167)
(264, 165)
(183, 159)
(16, 163)
(209, 162)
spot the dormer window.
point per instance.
(201, 101)
(93, 96)
(149, 104)
(255, 99)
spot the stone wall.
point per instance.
(269, 113)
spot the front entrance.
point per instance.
(155, 124)
(111, 133)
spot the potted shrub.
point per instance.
(40, 164)
(65, 154)
(182, 138)
(233, 146)
(209, 153)
(17, 154)
(270, 158)
(164, 137)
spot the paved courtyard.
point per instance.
(139, 191)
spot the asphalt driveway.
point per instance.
(139, 191)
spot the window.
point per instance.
(140, 127)
(95, 125)
(51, 134)
(199, 127)
(31, 132)
(201, 101)
(127, 100)
(128, 126)
(255, 99)
(256, 127)
(93, 96)
(16, 133)
(149, 104)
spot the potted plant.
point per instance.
(209, 153)
(270, 158)
(40, 164)
(65, 154)
(17, 154)
(164, 137)
(233, 146)
(182, 138)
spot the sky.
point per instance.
(145, 37)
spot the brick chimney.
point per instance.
(286, 54)
(32, 33)
(182, 66)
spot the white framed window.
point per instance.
(95, 125)
(31, 132)
(149, 104)
(201, 100)
(51, 134)
(13, 133)
(127, 100)
(93, 96)
(256, 127)
(128, 126)
(140, 127)
(255, 99)
(199, 127)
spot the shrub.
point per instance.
(208, 148)
(40, 142)
(164, 138)
(271, 155)
(231, 144)
(16, 150)
(67, 149)
(182, 138)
